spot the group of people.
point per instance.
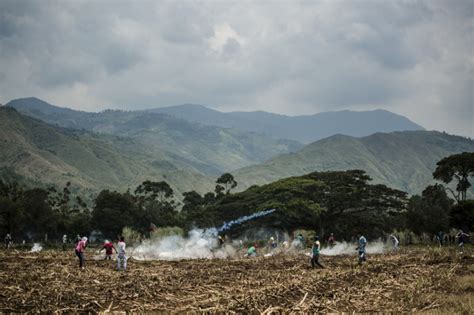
(445, 239)
(109, 248)
(299, 243)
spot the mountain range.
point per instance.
(305, 129)
(118, 149)
(403, 160)
(207, 149)
(49, 155)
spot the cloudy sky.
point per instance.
(415, 58)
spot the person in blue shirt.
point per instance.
(315, 251)
(361, 248)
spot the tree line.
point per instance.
(342, 202)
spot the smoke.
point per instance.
(36, 248)
(199, 244)
(344, 248)
(228, 225)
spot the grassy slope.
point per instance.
(54, 155)
(403, 160)
(211, 150)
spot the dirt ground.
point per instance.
(412, 280)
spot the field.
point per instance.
(414, 279)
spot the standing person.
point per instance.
(439, 238)
(121, 258)
(221, 241)
(300, 241)
(8, 240)
(315, 251)
(331, 240)
(361, 248)
(395, 241)
(80, 248)
(462, 238)
(272, 244)
(109, 249)
(64, 242)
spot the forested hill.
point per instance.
(41, 153)
(211, 150)
(402, 160)
(304, 129)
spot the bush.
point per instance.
(163, 232)
(131, 236)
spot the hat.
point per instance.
(84, 239)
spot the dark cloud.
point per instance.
(411, 57)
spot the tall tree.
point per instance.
(149, 190)
(429, 213)
(113, 211)
(225, 183)
(459, 167)
(155, 205)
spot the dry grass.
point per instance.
(412, 280)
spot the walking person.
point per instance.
(64, 242)
(8, 241)
(315, 251)
(362, 242)
(121, 258)
(80, 248)
(462, 238)
(331, 240)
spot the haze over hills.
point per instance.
(304, 129)
(46, 154)
(403, 160)
(210, 150)
(115, 148)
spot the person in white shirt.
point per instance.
(121, 258)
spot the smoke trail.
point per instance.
(343, 248)
(198, 244)
(36, 248)
(228, 225)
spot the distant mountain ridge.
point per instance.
(210, 150)
(402, 160)
(305, 129)
(116, 148)
(51, 155)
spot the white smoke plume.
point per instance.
(36, 248)
(344, 248)
(199, 244)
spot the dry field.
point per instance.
(411, 280)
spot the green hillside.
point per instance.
(402, 160)
(211, 150)
(46, 154)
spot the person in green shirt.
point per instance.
(252, 251)
(315, 251)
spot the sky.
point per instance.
(414, 58)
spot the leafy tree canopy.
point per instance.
(459, 167)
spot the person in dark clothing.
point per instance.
(462, 238)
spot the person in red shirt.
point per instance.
(80, 248)
(109, 249)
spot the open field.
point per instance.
(412, 280)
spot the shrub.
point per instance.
(163, 232)
(131, 236)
